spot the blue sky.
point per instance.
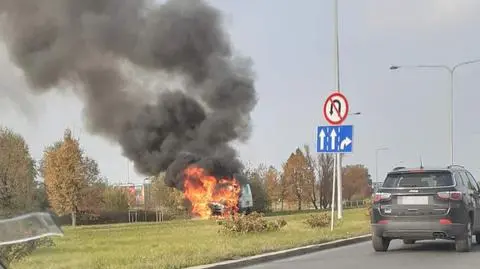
(292, 48)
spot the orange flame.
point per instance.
(201, 190)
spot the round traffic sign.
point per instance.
(335, 108)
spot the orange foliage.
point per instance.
(355, 181)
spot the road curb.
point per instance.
(283, 254)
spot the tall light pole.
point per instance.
(338, 158)
(376, 160)
(451, 70)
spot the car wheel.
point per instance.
(408, 241)
(464, 244)
(380, 243)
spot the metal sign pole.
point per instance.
(332, 204)
(337, 81)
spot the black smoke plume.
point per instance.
(87, 45)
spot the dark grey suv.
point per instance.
(427, 203)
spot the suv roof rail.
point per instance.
(455, 166)
(398, 168)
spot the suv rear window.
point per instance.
(418, 179)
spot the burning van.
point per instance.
(216, 195)
(245, 202)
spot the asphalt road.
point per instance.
(422, 255)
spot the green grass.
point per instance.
(178, 244)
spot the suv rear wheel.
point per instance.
(464, 244)
(380, 244)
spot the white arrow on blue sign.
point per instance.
(335, 139)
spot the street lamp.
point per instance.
(376, 160)
(451, 70)
(338, 157)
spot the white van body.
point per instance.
(245, 202)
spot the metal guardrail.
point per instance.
(346, 204)
(354, 204)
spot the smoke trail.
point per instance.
(87, 44)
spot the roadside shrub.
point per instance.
(318, 220)
(252, 223)
(16, 252)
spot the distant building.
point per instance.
(136, 193)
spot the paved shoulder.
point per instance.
(424, 255)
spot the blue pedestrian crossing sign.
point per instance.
(335, 139)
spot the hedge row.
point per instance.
(112, 217)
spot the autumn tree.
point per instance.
(297, 174)
(256, 178)
(284, 192)
(273, 185)
(91, 196)
(354, 181)
(325, 175)
(40, 197)
(17, 174)
(310, 176)
(65, 176)
(115, 199)
(18, 189)
(169, 200)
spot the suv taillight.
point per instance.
(450, 195)
(381, 196)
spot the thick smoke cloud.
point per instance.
(84, 44)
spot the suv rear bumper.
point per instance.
(421, 230)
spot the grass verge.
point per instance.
(178, 244)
